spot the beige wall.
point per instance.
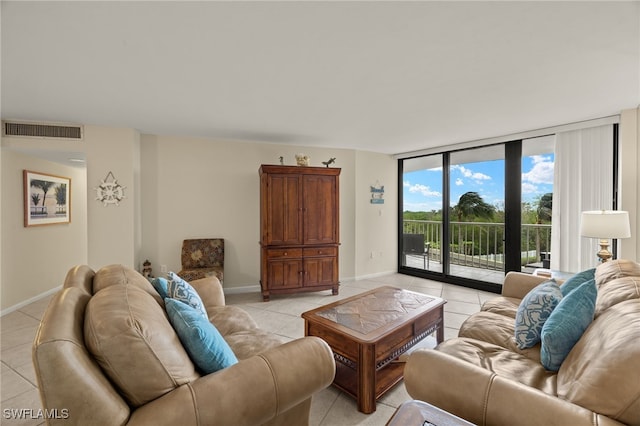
(194, 188)
(376, 225)
(113, 231)
(36, 259)
(180, 188)
(630, 178)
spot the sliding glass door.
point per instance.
(477, 212)
(470, 216)
(422, 224)
(538, 165)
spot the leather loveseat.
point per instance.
(483, 376)
(140, 374)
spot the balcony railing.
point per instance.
(481, 244)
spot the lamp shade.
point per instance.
(605, 224)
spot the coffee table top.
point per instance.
(369, 315)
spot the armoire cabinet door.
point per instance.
(285, 274)
(319, 209)
(320, 271)
(283, 218)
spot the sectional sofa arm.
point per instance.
(483, 398)
(210, 291)
(518, 284)
(251, 392)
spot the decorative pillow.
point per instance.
(566, 324)
(179, 289)
(534, 309)
(205, 345)
(577, 279)
(161, 286)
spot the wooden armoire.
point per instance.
(299, 229)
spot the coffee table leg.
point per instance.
(367, 379)
(440, 331)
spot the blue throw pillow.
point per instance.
(160, 284)
(203, 342)
(534, 309)
(577, 279)
(566, 324)
(179, 289)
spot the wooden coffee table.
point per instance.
(369, 331)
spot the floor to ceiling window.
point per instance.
(470, 216)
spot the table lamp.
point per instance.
(605, 224)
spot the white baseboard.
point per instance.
(243, 289)
(257, 289)
(29, 301)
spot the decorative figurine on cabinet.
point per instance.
(146, 269)
(302, 160)
(329, 161)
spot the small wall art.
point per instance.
(47, 199)
(377, 193)
(110, 191)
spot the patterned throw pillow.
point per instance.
(179, 289)
(566, 324)
(534, 309)
(203, 342)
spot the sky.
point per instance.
(423, 188)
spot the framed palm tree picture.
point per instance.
(47, 199)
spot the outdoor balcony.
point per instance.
(476, 248)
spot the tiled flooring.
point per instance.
(281, 315)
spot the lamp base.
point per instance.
(604, 254)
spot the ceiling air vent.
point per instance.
(41, 130)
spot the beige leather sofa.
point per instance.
(483, 377)
(142, 374)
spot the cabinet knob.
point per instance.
(285, 253)
(319, 251)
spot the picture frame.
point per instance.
(47, 199)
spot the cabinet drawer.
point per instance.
(284, 253)
(320, 251)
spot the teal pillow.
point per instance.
(179, 289)
(566, 324)
(203, 342)
(534, 309)
(161, 284)
(575, 280)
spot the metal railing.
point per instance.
(481, 244)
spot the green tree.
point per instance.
(543, 211)
(61, 194)
(543, 214)
(44, 185)
(471, 205)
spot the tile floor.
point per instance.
(281, 315)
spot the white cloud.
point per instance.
(540, 158)
(477, 176)
(541, 172)
(422, 189)
(459, 182)
(529, 188)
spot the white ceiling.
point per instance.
(389, 77)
